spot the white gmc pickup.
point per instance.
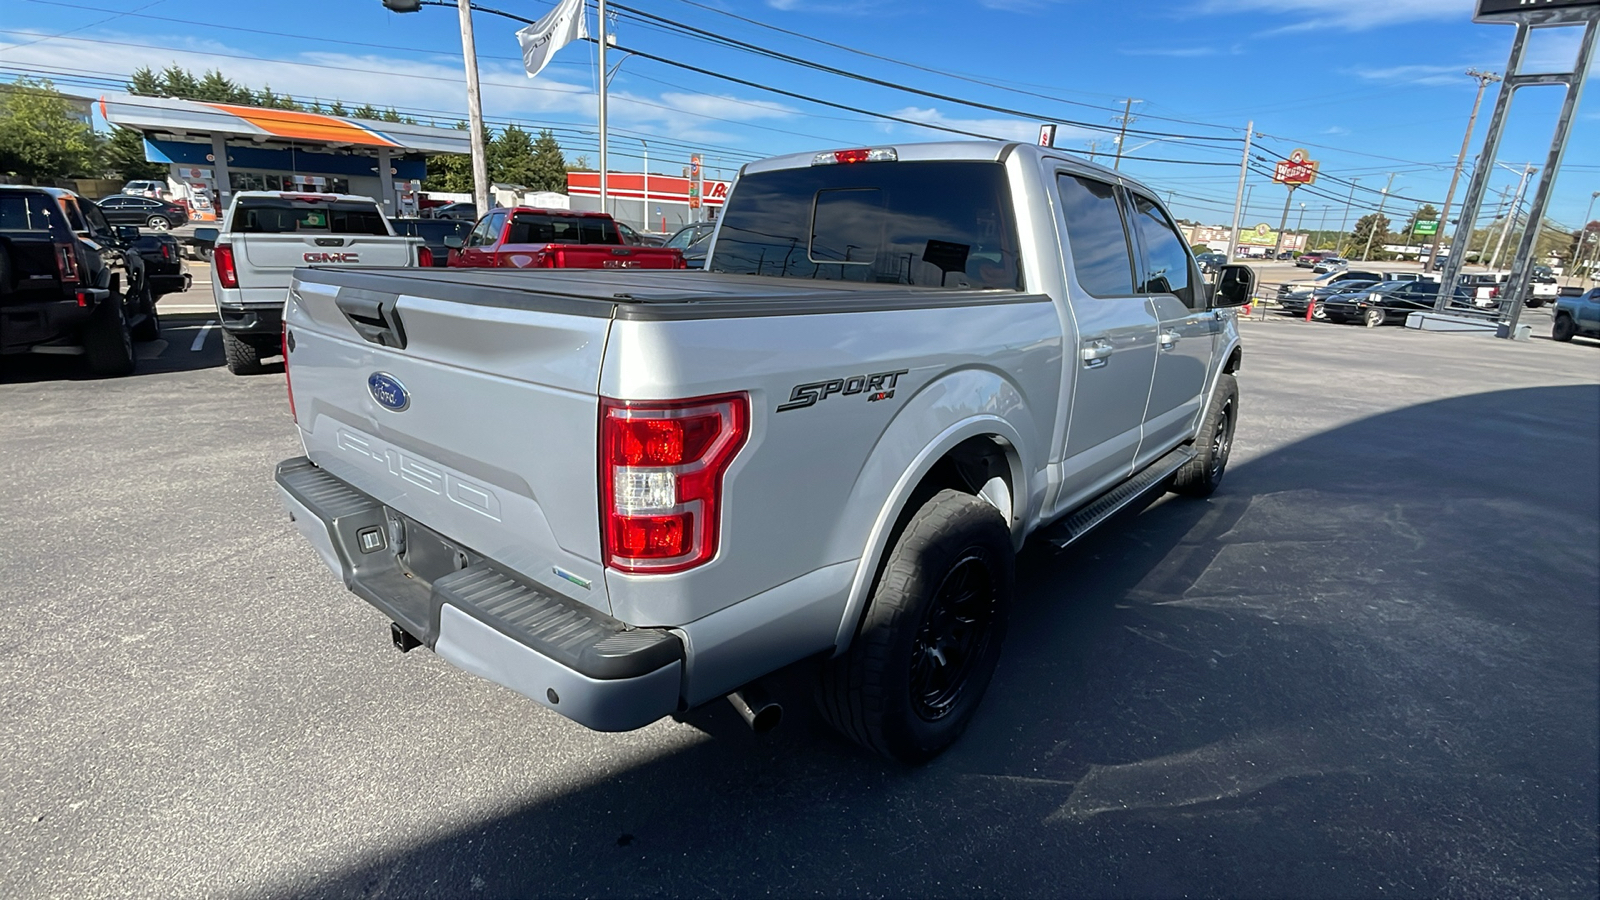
(627, 493)
(265, 236)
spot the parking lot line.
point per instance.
(200, 339)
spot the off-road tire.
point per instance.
(107, 342)
(1200, 476)
(954, 546)
(150, 328)
(244, 357)
(1564, 328)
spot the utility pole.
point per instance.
(1122, 137)
(1583, 238)
(480, 153)
(1484, 80)
(605, 39)
(1373, 231)
(1239, 202)
(1094, 148)
(1511, 220)
(1339, 247)
(1299, 227)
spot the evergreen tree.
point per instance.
(549, 167)
(215, 88)
(41, 136)
(337, 109)
(176, 81)
(511, 157)
(365, 111)
(144, 83)
(1374, 226)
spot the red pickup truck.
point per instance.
(525, 238)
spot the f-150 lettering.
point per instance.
(666, 535)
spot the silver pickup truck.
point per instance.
(265, 236)
(625, 494)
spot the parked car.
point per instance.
(693, 240)
(164, 268)
(434, 233)
(1330, 264)
(1211, 262)
(1387, 302)
(156, 190)
(1286, 254)
(266, 235)
(464, 211)
(1295, 303)
(1302, 288)
(143, 212)
(522, 237)
(1483, 288)
(69, 281)
(1542, 287)
(824, 449)
(1309, 259)
(635, 238)
(1577, 315)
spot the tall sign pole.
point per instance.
(1238, 197)
(1526, 17)
(1293, 172)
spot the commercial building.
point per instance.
(648, 202)
(214, 149)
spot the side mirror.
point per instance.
(454, 241)
(206, 237)
(1236, 286)
(127, 233)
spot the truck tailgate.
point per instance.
(266, 262)
(478, 422)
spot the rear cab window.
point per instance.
(930, 224)
(543, 228)
(274, 215)
(28, 212)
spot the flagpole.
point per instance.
(602, 83)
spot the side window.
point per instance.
(74, 218)
(1166, 261)
(497, 225)
(97, 219)
(480, 234)
(1097, 236)
(113, 203)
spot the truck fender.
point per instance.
(954, 408)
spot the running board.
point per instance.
(1068, 529)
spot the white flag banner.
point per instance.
(542, 39)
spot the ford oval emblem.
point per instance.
(388, 391)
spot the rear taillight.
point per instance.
(424, 257)
(661, 471)
(166, 252)
(67, 263)
(288, 341)
(222, 259)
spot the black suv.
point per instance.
(70, 282)
(144, 212)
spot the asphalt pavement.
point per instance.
(1368, 666)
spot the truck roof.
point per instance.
(52, 191)
(574, 213)
(319, 196)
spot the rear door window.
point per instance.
(25, 212)
(1101, 254)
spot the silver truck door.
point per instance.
(1188, 329)
(1114, 360)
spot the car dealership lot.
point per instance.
(1367, 666)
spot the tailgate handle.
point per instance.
(374, 317)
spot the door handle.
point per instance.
(1169, 339)
(1095, 354)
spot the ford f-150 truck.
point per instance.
(265, 236)
(624, 494)
(525, 238)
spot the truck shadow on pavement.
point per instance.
(186, 344)
(1368, 665)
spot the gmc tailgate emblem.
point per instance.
(332, 257)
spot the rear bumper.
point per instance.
(27, 325)
(258, 320)
(578, 661)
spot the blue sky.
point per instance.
(1369, 87)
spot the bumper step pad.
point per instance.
(576, 636)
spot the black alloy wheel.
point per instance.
(954, 635)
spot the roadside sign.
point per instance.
(1047, 135)
(694, 181)
(1492, 8)
(1425, 228)
(1298, 169)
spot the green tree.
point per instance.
(510, 157)
(549, 164)
(1374, 226)
(337, 109)
(144, 83)
(365, 111)
(176, 81)
(41, 137)
(216, 88)
(123, 156)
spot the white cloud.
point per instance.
(1355, 15)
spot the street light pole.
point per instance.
(1511, 219)
(1299, 227)
(604, 40)
(1484, 80)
